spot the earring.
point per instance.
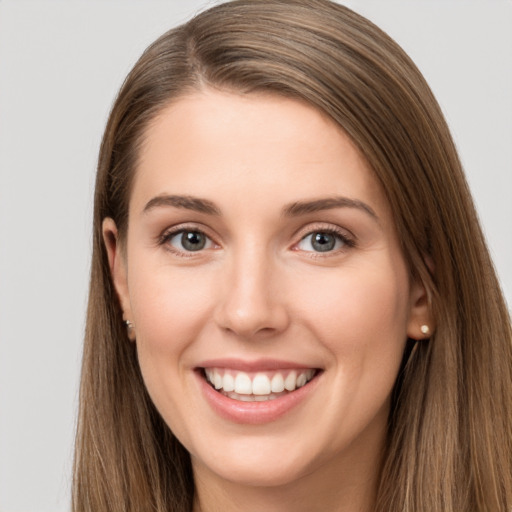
(128, 324)
(425, 329)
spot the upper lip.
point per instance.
(253, 365)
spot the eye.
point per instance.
(188, 240)
(322, 241)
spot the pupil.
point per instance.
(323, 242)
(193, 241)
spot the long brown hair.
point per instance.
(450, 428)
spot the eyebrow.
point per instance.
(292, 210)
(305, 207)
(186, 202)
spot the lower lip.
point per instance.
(254, 412)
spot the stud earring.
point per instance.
(425, 329)
(128, 324)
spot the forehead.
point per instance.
(254, 146)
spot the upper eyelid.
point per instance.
(179, 228)
(324, 226)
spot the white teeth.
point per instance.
(217, 380)
(246, 398)
(301, 380)
(228, 382)
(290, 381)
(277, 384)
(262, 386)
(243, 384)
(254, 398)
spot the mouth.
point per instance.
(257, 386)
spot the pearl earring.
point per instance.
(128, 324)
(425, 329)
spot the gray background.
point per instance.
(61, 63)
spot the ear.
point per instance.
(421, 323)
(118, 271)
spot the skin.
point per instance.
(260, 289)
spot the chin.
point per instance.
(269, 474)
(259, 463)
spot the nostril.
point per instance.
(248, 325)
(250, 304)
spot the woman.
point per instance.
(291, 303)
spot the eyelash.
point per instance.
(341, 235)
(168, 235)
(347, 241)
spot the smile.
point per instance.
(257, 386)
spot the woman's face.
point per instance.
(262, 260)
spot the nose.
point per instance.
(252, 303)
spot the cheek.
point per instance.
(169, 305)
(359, 312)
(170, 309)
(361, 318)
